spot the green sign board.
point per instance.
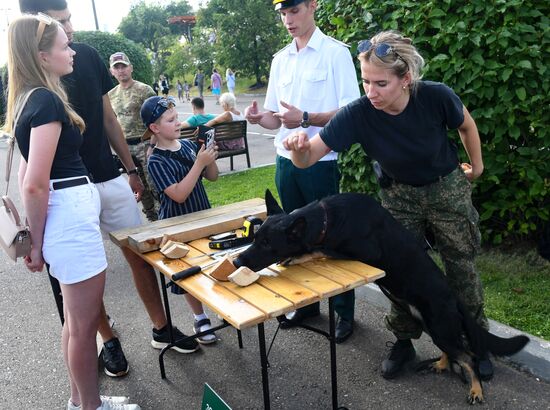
(211, 400)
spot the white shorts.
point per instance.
(72, 245)
(119, 209)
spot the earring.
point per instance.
(404, 87)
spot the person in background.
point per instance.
(61, 203)
(216, 84)
(177, 167)
(402, 123)
(199, 117)
(156, 87)
(126, 99)
(163, 84)
(199, 82)
(230, 80)
(179, 87)
(186, 89)
(230, 113)
(310, 79)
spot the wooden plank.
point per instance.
(333, 272)
(271, 303)
(120, 237)
(239, 313)
(370, 273)
(294, 292)
(149, 240)
(319, 284)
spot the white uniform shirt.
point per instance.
(318, 78)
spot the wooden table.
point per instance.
(271, 296)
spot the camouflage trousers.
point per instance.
(150, 206)
(445, 208)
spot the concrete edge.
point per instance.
(534, 358)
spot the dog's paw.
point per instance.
(475, 396)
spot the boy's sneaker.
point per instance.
(113, 400)
(114, 361)
(202, 326)
(161, 339)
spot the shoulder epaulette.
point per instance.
(339, 42)
(282, 49)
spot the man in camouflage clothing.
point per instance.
(126, 99)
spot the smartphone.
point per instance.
(210, 137)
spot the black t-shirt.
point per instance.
(86, 86)
(44, 107)
(412, 147)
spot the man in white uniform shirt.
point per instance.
(310, 79)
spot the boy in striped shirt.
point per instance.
(177, 167)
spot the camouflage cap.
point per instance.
(118, 57)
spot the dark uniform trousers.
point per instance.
(297, 188)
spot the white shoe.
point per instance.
(107, 405)
(113, 400)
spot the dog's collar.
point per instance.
(325, 224)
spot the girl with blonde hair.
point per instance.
(61, 203)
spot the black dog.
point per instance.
(355, 226)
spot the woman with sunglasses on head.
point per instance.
(61, 203)
(402, 122)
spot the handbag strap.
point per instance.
(11, 138)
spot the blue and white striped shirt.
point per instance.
(167, 168)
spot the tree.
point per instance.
(148, 25)
(107, 44)
(246, 34)
(494, 54)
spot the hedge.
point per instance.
(495, 55)
(107, 44)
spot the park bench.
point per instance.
(230, 137)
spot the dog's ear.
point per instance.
(297, 229)
(271, 204)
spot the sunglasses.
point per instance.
(381, 50)
(162, 105)
(43, 21)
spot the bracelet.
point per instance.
(152, 145)
(132, 172)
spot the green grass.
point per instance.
(241, 186)
(516, 284)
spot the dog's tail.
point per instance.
(500, 346)
(482, 341)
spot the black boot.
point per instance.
(485, 368)
(401, 352)
(297, 316)
(344, 329)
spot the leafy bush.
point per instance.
(494, 54)
(107, 44)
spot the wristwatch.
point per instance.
(305, 120)
(132, 171)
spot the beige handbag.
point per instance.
(15, 237)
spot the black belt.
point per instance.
(56, 186)
(133, 141)
(438, 179)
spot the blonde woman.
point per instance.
(61, 203)
(402, 123)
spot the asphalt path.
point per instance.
(33, 376)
